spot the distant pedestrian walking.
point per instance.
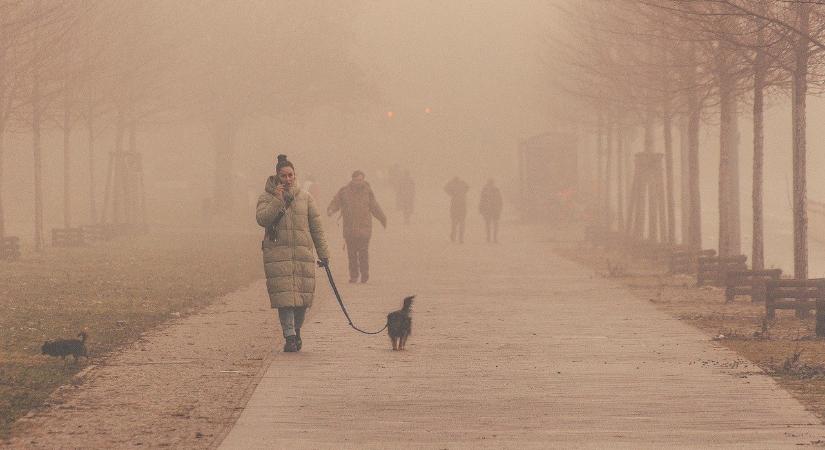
(457, 190)
(405, 195)
(357, 204)
(293, 229)
(490, 208)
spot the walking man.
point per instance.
(457, 190)
(357, 204)
(490, 208)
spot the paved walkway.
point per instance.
(513, 347)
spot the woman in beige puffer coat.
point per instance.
(289, 262)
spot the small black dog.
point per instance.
(66, 347)
(399, 325)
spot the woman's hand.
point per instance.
(279, 192)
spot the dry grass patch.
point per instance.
(114, 291)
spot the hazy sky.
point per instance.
(475, 64)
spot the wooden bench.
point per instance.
(799, 295)
(100, 232)
(687, 261)
(68, 237)
(10, 248)
(749, 282)
(712, 270)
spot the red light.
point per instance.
(427, 110)
(390, 114)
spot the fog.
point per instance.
(599, 185)
(210, 92)
(315, 81)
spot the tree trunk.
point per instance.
(636, 213)
(652, 230)
(695, 201)
(608, 216)
(90, 123)
(627, 166)
(620, 223)
(757, 244)
(67, 169)
(600, 135)
(800, 91)
(2, 210)
(112, 192)
(135, 177)
(224, 142)
(729, 221)
(684, 196)
(668, 138)
(38, 165)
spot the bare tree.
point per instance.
(17, 21)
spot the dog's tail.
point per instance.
(408, 303)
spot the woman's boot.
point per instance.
(298, 339)
(291, 344)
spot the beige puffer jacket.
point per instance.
(289, 262)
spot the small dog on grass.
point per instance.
(399, 325)
(66, 347)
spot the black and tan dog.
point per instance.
(399, 325)
(66, 347)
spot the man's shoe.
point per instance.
(291, 345)
(353, 280)
(298, 340)
(365, 278)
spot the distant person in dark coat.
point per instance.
(457, 190)
(357, 204)
(490, 208)
(405, 192)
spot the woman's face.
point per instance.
(286, 176)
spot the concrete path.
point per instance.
(513, 347)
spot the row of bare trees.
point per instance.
(111, 68)
(676, 65)
(72, 67)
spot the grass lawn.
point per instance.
(114, 291)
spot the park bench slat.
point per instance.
(713, 269)
(10, 248)
(749, 282)
(686, 261)
(799, 295)
(68, 237)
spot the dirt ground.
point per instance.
(114, 291)
(208, 362)
(786, 347)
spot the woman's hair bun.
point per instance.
(283, 162)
